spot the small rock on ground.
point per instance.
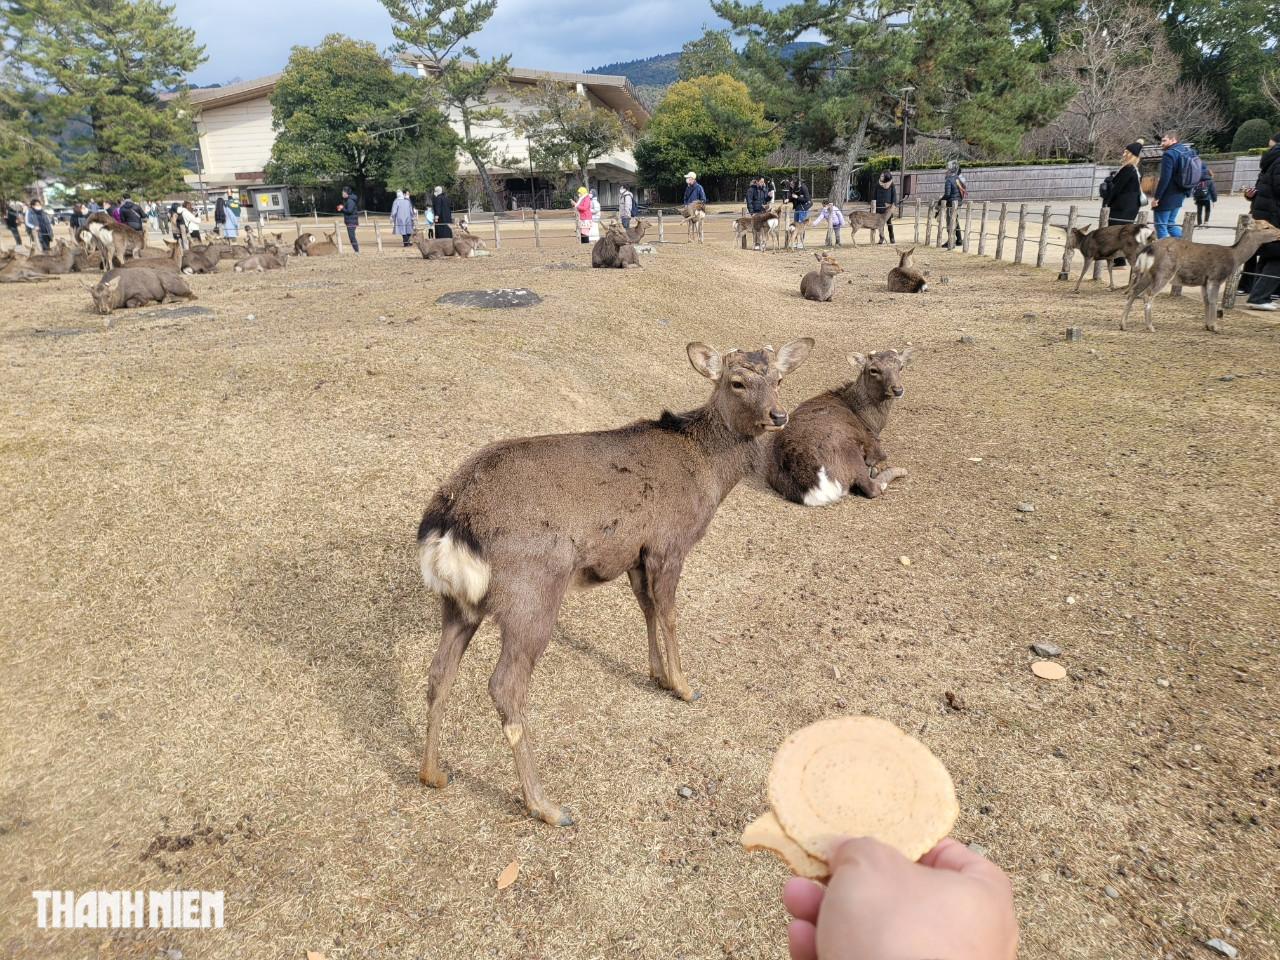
(685, 791)
(1111, 892)
(1026, 508)
(1218, 945)
(1047, 649)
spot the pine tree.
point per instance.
(437, 31)
(25, 154)
(102, 66)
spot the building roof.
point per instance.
(613, 91)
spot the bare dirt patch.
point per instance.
(213, 620)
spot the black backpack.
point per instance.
(1104, 191)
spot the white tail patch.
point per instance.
(1145, 233)
(452, 569)
(826, 491)
(1143, 263)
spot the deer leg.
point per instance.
(640, 587)
(1087, 261)
(1211, 307)
(456, 632)
(663, 574)
(1111, 277)
(526, 631)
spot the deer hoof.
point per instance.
(688, 694)
(439, 780)
(556, 816)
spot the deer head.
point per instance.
(747, 382)
(881, 372)
(104, 294)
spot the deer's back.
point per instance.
(823, 436)
(580, 502)
(1194, 263)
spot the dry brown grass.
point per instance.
(212, 613)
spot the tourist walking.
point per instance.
(886, 199)
(583, 207)
(1205, 195)
(443, 212)
(402, 217)
(953, 191)
(350, 217)
(1169, 194)
(230, 223)
(626, 207)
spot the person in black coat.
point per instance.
(1126, 188)
(43, 225)
(130, 213)
(11, 222)
(1266, 206)
(443, 211)
(757, 196)
(886, 200)
(350, 216)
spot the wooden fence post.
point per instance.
(1044, 237)
(1001, 230)
(297, 225)
(377, 235)
(968, 224)
(1188, 231)
(660, 226)
(1065, 272)
(497, 235)
(1103, 220)
(1229, 292)
(916, 238)
(928, 228)
(337, 237)
(1022, 233)
(982, 230)
(537, 230)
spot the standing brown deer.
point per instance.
(525, 520)
(694, 213)
(1195, 265)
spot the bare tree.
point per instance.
(1126, 84)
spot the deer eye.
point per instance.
(738, 384)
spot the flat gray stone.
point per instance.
(1026, 508)
(1218, 945)
(560, 265)
(62, 331)
(1111, 892)
(1047, 649)
(491, 299)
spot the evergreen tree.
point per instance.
(710, 54)
(437, 31)
(25, 154)
(1251, 135)
(339, 111)
(101, 66)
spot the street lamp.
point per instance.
(906, 96)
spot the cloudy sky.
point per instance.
(248, 38)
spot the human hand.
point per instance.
(953, 905)
(1154, 203)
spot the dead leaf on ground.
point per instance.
(508, 876)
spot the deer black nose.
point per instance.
(779, 417)
(897, 391)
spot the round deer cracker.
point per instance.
(860, 776)
(1048, 670)
(765, 833)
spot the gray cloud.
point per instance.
(245, 39)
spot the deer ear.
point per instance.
(907, 355)
(705, 360)
(857, 361)
(792, 354)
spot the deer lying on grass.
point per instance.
(694, 213)
(864, 219)
(462, 245)
(1107, 243)
(172, 260)
(1194, 265)
(202, 259)
(328, 247)
(905, 278)
(635, 232)
(614, 249)
(832, 444)
(525, 520)
(60, 261)
(820, 284)
(300, 245)
(139, 288)
(15, 270)
(258, 262)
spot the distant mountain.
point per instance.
(660, 71)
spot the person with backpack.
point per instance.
(1205, 195)
(954, 191)
(1180, 171)
(130, 213)
(626, 207)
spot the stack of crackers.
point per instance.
(856, 777)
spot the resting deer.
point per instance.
(904, 278)
(694, 213)
(327, 247)
(820, 284)
(1194, 265)
(1107, 243)
(614, 249)
(303, 241)
(635, 232)
(832, 445)
(525, 520)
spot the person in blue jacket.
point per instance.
(1167, 200)
(693, 189)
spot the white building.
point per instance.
(234, 127)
